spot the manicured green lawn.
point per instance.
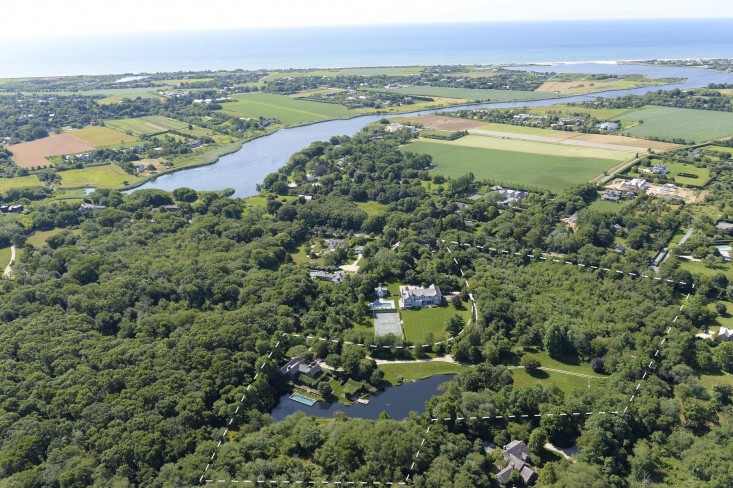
(542, 170)
(474, 94)
(419, 370)
(691, 125)
(287, 110)
(565, 382)
(109, 176)
(438, 133)
(19, 182)
(417, 324)
(154, 124)
(703, 174)
(728, 150)
(699, 268)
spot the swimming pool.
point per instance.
(301, 399)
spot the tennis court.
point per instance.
(387, 322)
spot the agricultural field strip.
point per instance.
(509, 417)
(569, 141)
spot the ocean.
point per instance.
(484, 43)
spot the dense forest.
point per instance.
(129, 338)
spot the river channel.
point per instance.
(244, 169)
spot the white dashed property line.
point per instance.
(649, 367)
(507, 252)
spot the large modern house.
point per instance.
(296, 366)
(418, 297)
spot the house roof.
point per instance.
(419, 292)
(527, 473)
(504, 475)
(516, 448)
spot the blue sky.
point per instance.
(53, 18)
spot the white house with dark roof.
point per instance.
(724, 334)
(296, 366)
(418, 297)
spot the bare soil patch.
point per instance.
(34, 153)
(445, 123)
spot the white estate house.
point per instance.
(418, 297)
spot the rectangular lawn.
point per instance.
(417, 324)
(19, 182)
(102, 136)
(154, 124)
(419, 370)
(552, 172)
(474, 94)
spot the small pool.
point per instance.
(301, 399)
(724, 248)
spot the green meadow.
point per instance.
(668, 123)
(288, 110)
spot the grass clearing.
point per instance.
(604, 206)
(570, 110)
(709, 381)
(724, 149)
(569, 364)
(699, 268)
(417, 324)
(40, 237)
(19, 182)
(108, 176)
(102, 136)
(581, 87)
(543, 170)
(472, 94)
(4, 257)
(154, 124)
(668, 123)
(419, 370)
(289, 111)
(567, 383)
(372, 208)
(703, 174)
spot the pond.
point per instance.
(397, 401)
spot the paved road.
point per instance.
(9, 268)
(686, 236)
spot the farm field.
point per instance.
(419, 370)
(154, 124)
(101, 136)
(109, 176)
(19, 182)
(523, 129)
(535, 147)
(543, 170)
(288, 110)
(417, 324)
(439, 122)
(474, 94)
(34, 153)
(668, 123)
(585, 86)
(569, 110)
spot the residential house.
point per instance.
(724, 334)
(381, 291)
(12, 208)
(395, 127)
(358, 250)
(611, 195)
(660, 169)
(418, 297)
(170, 208)
(725, 226)
(297, 366)
(194, 144)
(620, 248)
(517, 455)
(139, 168)
(336, 277)
(694, 154)
(609, 126)
(334, 244)
(635, 184)
(510, 196)
(88, 207)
